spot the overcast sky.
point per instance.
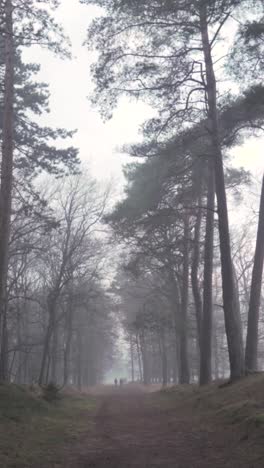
(70, 85)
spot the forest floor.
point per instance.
(181, 427)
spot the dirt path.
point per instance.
(132, 429)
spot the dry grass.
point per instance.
(34, 433)
(241, 403)
(37, 434)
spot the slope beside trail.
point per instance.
(133, 428)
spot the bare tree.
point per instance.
(70, 253)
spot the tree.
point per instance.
(6, 176)
(250, 44)
(184, 364)
(153, 216)
(251, 356)
(82, 309)
(207, 317)
(70, 252)
(196, 287)
(163, 187)
(23, 23)
(146, 317)
(171, 63)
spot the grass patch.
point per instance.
(241, 403)
(238, 412)
(259, 420)
(33, 432)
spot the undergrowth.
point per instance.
(35, 432)
(241, 403)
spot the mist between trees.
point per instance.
(186, 288)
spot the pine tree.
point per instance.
(22, 23)
(163, 52)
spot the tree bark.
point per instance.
(67, 350)
(132, 357)
(206, 332)
(79, 360)
(145, 361)
(19, 379)
(45, 355)
(184, 371)
(251, 355)
(6, 181)
(194, 273)
(51, 303)
(231, 309)
(139, 359)
(54, 354)
(164, 360)
(176, 310)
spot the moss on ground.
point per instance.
(240, 403)
(34, 433)
(38, 434)
(259, 420)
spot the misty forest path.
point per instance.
(134, 429)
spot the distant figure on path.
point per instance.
(116, 382)
(121, 382)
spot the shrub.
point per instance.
(51, 392)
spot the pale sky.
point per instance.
(70, 85)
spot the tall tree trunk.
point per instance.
(46, 380)
(139, 359)
(44, 358)
(48, 336)
(175, 366)
(251, 355)
(176, 310)
(4, 348)
(132, 357)
(206, 341)
(54, 354)
(6, 181)
(164, 360)
(79, 360)
(145, 361)
(67, 350)
(215, 350)
(195, 267)
(231, 309)
(20, 356)
(184, 377)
